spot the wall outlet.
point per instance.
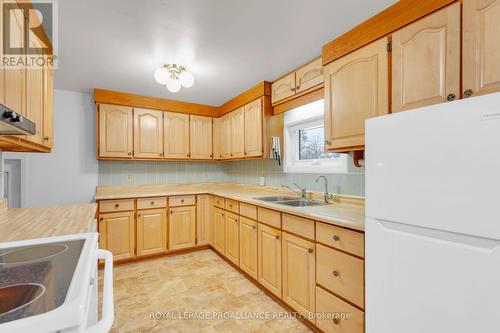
(262, 181)
(130, 177)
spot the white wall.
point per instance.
(69, 174)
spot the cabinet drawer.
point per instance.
(340, 273)
(186, 200)
(337, 316)
(299, 226)
(233, 206)
(219, 202)
(341, 238)
(248, 210)
(269, 217)
(146, 203)
(116, 205)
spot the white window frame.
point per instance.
(307, 116)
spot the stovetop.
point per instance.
(35, 279)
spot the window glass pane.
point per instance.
(311, 142)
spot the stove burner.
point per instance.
(18, 296)
(32, 253)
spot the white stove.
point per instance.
(51, 285)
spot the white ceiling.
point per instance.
(229, 45)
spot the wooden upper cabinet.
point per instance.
(151, 231)
(35, 101)
(237, 133)
(182, 226)
(48, 107)
(225, 136)
(356, 89)
(426, 61)
(481, 47)
(253, 128)
(283, 88)
(176, 135)
(201, 137)
(309, 75)
(148, 133)
(217, 138)
(115, 131)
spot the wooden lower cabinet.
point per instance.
(219, 230)
(299, 276)
(269, 258)
(336, 316)
(248, 246)
(182, 227)
(203, 216)
(151, 231)
(117, 234)
(232, 235)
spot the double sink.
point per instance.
(289, 201)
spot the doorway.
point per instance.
(12, 182)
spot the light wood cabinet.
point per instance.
(217, 139)
(203, 215)
(327, 303)
(115, 131)
(237, 136)
(232, 237)
(309, 75)
(182, 227)
(117, 234)
(253, 129)
(151, 231)
(225, 136)
(299, 273)
(248, 246)
(48, 107)
(481, 47)
(201, 137)
(148, 133)
(220, 230)
(283, 88)
(35, 96)
(426, 61)
(356, 89)
(269, 258)
(176, 135)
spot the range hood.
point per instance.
(12, 123)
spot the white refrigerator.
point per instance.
(433, 219)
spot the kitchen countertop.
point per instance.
(346, 215)
(28, 223)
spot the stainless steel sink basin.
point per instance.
(277, 198)
(300, 203)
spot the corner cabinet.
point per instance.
(115, 131)
(356, 89)
(201, 137)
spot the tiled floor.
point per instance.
(195, 282)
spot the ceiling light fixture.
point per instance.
(174, 77)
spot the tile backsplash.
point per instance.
(244, 172)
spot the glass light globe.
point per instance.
(162, 75)
(187, 79)
(173, 85)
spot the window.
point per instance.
(305, 142)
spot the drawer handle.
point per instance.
(152, 203)
(101, 219)
(336, 273)
(336, 321)
(336, 238)
(254, 227)
(310, 250)
(117, 205)
(139, 215)
(182, 200)
(277, 237)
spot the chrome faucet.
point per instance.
(328, 196)
(302, 192)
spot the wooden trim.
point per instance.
(261, 89)
(389, 20)
(19, 144)
(163, 104)
(311, 95)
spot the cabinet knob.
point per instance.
(335, 273)
(152, 203)
(277, 237)
(138, 214)
(327, 142)
(310, 250)
(189, 155)
(336, 321)
(451, 97)
(292, 89)
(101, 219)
(336, 238)
(45, 138)
(182, 200)
(468, 93)
(129, 153)
(117, 205)
(298, 87)
(254, 227)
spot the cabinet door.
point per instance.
(115, 131)
(225, 136)
(217, 139)
(220, 230)
(201, 137)
(176, 135)
(299, 273)
(48, 107)
(248, 246)
(34, 96)
(151, 231)
(237, 133)
(203, 212)
(309, 75)
(117, 234)
(481, 47)
(253, 129)
(426, 61)
(269, 258)
(148, 133)
(356, 88)
(283, 88)
(182, 227)
(233, 238)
